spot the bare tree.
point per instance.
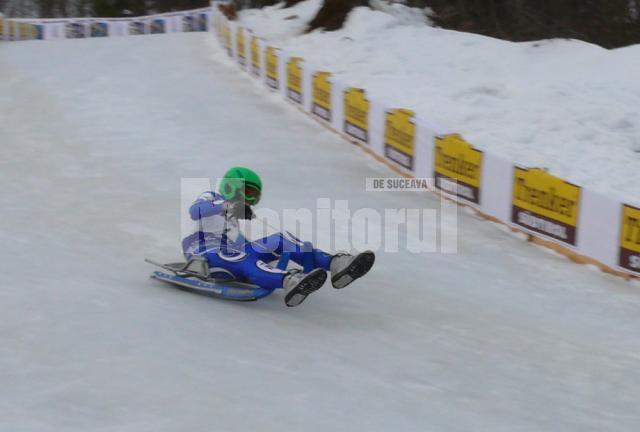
(333, 13)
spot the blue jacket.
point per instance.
(214, 227)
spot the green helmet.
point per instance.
(241, 183)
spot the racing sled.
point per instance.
(196, 276)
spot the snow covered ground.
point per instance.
(96, 135)
(564, 105)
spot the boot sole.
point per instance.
(358, 268)
(310, 284)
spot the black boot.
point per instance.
(298, 285)
(346, 268)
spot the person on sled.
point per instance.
(228, 255)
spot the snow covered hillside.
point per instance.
(96, 136)
(565, 105)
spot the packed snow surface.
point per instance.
(565, 105)
(96, 136)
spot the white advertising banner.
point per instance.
(599, 228)
(308, 70)
(336, 112)
(171, 23)
(425, 136)
(80, 28)
(283, 59)
(384, 138)
(55, 30)
(495, 187)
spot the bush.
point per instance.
(610, 23)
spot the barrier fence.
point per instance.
(79, 28)
(586, 226)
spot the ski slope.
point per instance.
(96, 136)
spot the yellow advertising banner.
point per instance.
(294, 79)
(356, 114)
(226, 31)
(458, 167)
(271, 59)
(27, 31)
(545, 204)
(400, 137)
(630, 239)
(322, 87)
(255, 56)
(241, 46)
(14, 31)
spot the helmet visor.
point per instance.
(251, 194)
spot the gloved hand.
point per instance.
(240, 210)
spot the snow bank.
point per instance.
(578, 221)
(278, 23)
(568, 106)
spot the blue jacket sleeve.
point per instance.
(209, 204)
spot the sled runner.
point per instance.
(194, 276)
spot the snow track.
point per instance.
(95, 137)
